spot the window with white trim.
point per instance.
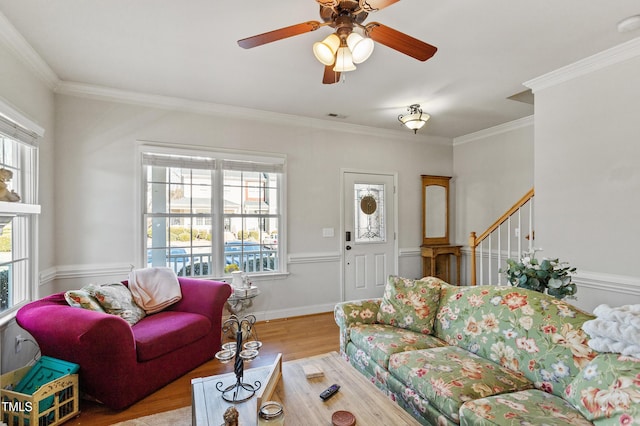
(18, 214)
(209, 214)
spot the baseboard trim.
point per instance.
(293, 312)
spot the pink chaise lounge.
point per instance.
(121, 364)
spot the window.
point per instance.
(210, 215)
(18, 213)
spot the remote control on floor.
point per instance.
(329, 392)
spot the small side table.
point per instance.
(435, 264)
(237, 304)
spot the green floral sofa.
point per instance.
(486, 355)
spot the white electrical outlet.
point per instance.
(517, 232)
(19, 341)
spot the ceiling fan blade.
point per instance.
(275, 35)
(400, 41)
(330, 76)
(373, 5)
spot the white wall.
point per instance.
(587, 175)
(26, 92)
(492, 169)
(96, 186)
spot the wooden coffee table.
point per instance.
(301, 396)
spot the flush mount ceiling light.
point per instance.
(629, 24)
(416, 119)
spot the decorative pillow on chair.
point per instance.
(410, 304)
(82, 299)
(116, 299)
(607, 390)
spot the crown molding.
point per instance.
(495, 130)
(208, 108)
(23, 51)
(614, 55)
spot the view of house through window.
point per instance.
(210, 216)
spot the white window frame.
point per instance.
(26, 133)
(220, 156)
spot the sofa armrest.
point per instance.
(348, 314)
(76, 334)
(200, 296)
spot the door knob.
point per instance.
(348, 247)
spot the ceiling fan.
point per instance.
(339, 51)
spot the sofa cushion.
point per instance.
(410, 304)
(167, 331)
(524, 330)
(529, 407)
(608, 390)
(450, 376)
(380, 341)
(116, 299)
(82, 299)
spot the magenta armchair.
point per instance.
(120, 364)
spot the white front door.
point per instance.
(369, 247)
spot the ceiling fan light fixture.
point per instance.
(361, 47)
(416, 119)
(325, 50)
(344, 60)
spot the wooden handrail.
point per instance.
(474, 241)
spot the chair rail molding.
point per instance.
(84, 271)
(308, 257)
(610, 282)
(588, 279)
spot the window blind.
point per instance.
(186, 162)
(252, 166)
(18, 133)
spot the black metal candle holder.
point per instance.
(239, 391)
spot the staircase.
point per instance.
(509, 237)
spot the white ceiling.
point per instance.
(187, 49)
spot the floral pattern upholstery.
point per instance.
(607, 390)
(497, 355)
(410, 304)
(530, 407)
(349, 314)
(82, 299)
(116, 299)
(523, 330)
(450, 376)
(381, 341)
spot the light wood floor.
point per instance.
(295, 338)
